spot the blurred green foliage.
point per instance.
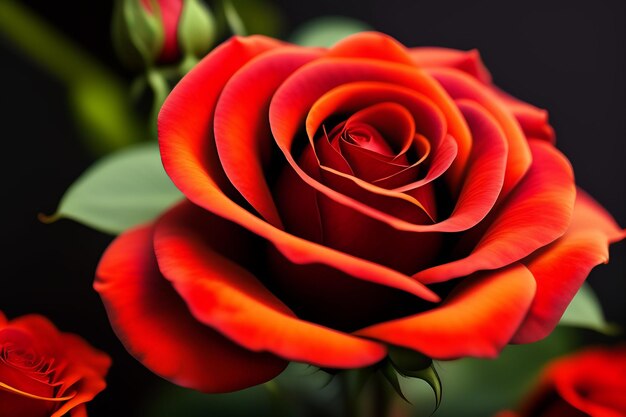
(121, 190)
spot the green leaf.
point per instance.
(122, 190)
(585, 312)
(326, 31)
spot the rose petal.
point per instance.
(371, 45)
(242, 133)
(478, 319)
(185, 140)
(156, 327)
(227, 297)
(466, 61)
(352, 97)
(84, 375)
(593, 381)
(462, 86)
(325, 74)
(562, 267)
(299, 92)
(536, 213)
(17, 405)
(532, 120)
(193, 101)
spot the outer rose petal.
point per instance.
(156, 326)
(536, 213)
(561, 268)
(227, 297)
(534, 121)
(371, 45)
(242, 133)
(466, 61)
(478, 319)
(462, 86)
(589, 383)
(197, 95)
(84, 375)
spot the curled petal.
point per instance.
(226, 297)
(185, 138)
(462, 86)
(466, 61)
(299, 92)
(371, 45)
(478, 319)
(242, 133)
(535, 214)
(156, 327)
(532, 120)
(562, 267)
(193, 102)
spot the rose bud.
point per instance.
(46, 373)
(343, 200)
(150, 31)
(590, 383)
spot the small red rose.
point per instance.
(343, 200)
(170, 12)
(46, 373)
(591, 383)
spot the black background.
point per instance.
(566, 56)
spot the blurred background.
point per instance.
(565, 56)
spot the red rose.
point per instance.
(46, 373)
(170, 12)
(342, 200)
(589, 383)
(146, 32)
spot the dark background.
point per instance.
(566, 56)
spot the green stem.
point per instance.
(350, 393)
(99, 98)
(160, 90)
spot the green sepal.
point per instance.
(391, 375)
(138, 34)
(411, 364)
(196, 29)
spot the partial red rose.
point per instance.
(170, 12)
(46, 373)
(342, 200)
(591, 383)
